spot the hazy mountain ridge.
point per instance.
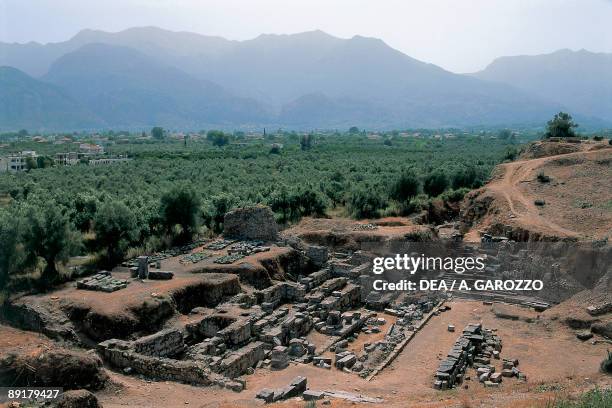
(147, 76)
(128, 88)
(26, 102)
(580, 80)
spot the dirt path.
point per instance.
(521, 206)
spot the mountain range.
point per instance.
(147, 76)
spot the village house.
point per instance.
(18, 161)
(91, 148)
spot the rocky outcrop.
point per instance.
(255, 222)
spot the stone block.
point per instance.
(265, 394)
(311, 395)
(346, 362)
(161, 275)
(496, 378)
(300, 383)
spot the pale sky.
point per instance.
(458, 35)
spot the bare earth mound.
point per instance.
(346, 234)
(30, 359)
(559, 197)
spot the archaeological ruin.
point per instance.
(219, 311)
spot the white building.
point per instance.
(18, 162)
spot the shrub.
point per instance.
(365, 203)
(453, 196)
(510, 154)
(405, 187)
(596, 398)
(543, 178)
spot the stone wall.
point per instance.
(240, 360)
(237, 333)
(209, 326)
(273, 296)
(117, 354)
(165, 343)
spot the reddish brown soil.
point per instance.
(341, 234)
(548, 352)
(149, 301)
(121, 301)
(22, 342)
(577, 200)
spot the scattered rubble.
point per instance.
(160, 256)
(219, 244)
(103, 282)
(194, 257)
(476, 348)
(296, 388)
(365, 227)
(228, 259)
(600, 309)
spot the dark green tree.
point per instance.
(353, 130)
(116, 229)
(215, 209)
(31, 163)
(85, 206)
(310, 203)
(12, 257)
(562, 125)
(465, 177)
(405, 187)
(435, 183)
(180, 207)
(217, 137)
(365, 203)
(43, 162)
(157, 133)
(49, 235)
(280, 202)
(504, 134)
(335, 192)
(306, 141)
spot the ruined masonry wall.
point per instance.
(161, 344)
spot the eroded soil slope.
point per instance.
(557, 197)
